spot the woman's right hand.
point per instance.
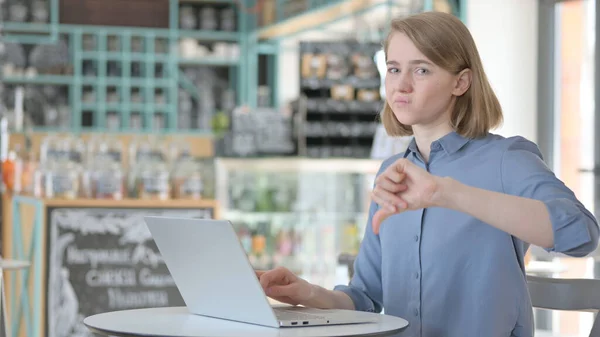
(282, 285)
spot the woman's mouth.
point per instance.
(401, 100)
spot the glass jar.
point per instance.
(75, 148)
(92, 146)
(179, 149)
(104, 148)
(30, 166)
(61, 180)
(39, 181)
(49, 149)
(114, 149)
(107, 181)
(147, 148)
(153, 182)
(187, 180)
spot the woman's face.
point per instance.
(419, 92)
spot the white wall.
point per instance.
(506, 34)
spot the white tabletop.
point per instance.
(13, 264)
(178, 322)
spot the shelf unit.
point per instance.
(136, 88)
(340, 88)
(320, 206)
(260, 26)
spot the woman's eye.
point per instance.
(392, 70)
(422, 71)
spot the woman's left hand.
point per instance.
(404, 186)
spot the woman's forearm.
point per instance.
(526, 219)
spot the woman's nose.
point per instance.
(405, 83)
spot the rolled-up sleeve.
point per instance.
(525, 174)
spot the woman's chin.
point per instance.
(406, 120)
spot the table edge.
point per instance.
(112, 333)
(120, 334)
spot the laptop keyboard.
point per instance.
(290, 315)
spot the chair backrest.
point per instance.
(3, 323)
(566, 294)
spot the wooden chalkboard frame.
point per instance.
(53, 269)
(57, 311)
(27, 210)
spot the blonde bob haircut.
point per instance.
(447, 42)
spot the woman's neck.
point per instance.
(424, 136)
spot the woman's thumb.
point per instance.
(378, 218)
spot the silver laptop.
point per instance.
(215, 278)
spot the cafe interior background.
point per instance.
(262, 112)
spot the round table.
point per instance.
(178, 322)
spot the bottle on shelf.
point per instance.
(104, 177)
(187, 180)
(11, 174)
(261, 250)
(61, 180)
(153, 181)
(30, 167)
(107, 181)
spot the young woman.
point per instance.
(453, 216)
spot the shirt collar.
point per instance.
(412, 147)
(451, 143)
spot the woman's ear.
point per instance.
(463, 82)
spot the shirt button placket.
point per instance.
(416, 274)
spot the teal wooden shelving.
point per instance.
(39, 79)
(146, 75)
(31, 33)
(140, 89)
(210, 36)
(100, 83)
(209, 61)
(207, 1)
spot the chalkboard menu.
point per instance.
(102, 260)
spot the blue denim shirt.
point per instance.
(451, 275)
